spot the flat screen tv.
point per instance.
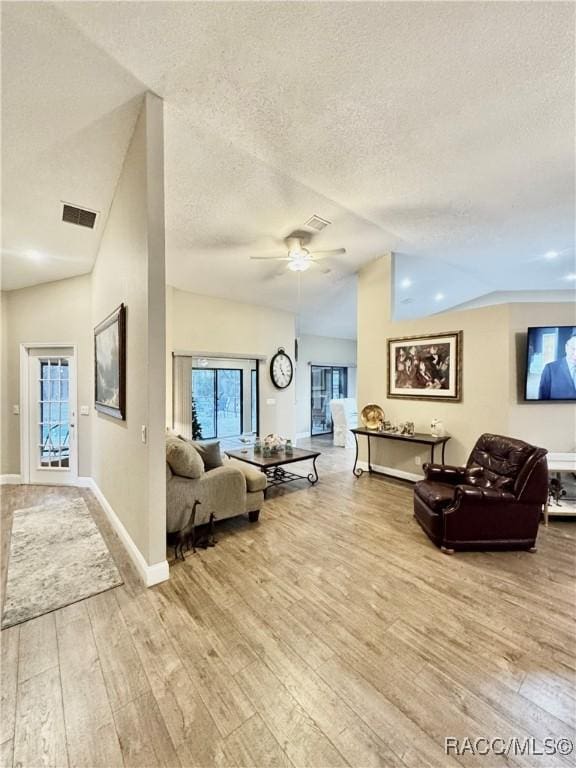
(551, 363)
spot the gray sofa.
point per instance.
(232, 489)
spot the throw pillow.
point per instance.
(210, 453)
(183, 459)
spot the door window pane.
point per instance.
(204, 394)
(229, 414)
(54, 425)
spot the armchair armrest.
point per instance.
(444, 473)
(475, 494)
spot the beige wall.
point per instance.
(130, 269)
(6, 439)
(490, 375)
(213, 326)
(320, 350)
(57, 313)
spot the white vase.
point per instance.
(437, 428)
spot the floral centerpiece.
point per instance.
(274, 443)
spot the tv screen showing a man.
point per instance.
(551, 363)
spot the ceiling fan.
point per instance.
(299, 258)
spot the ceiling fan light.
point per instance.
(299, 265)
(298, 253)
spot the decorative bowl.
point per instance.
(372, 416)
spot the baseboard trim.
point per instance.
(10, 479)
(392, 471)
(150, 574)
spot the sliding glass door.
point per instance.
(218, 396)
(328, 383)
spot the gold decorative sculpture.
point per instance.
(372, 416)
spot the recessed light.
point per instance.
(571, 276)
(550, 255)
(439, 297)
(406, 283)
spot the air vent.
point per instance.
(316, 223)
(80, 216)
(407, 301)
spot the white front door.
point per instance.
(52, 444)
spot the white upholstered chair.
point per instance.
(344, 417)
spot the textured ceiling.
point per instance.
(441, 131)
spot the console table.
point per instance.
(419, 438)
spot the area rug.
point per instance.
(57, 557)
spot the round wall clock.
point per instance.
(281, 369)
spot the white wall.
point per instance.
(491, 372)
(57, 313)
(219, 327)
(130, 269)
(320, 350)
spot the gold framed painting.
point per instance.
(426, 367)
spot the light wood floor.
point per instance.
(331, 633)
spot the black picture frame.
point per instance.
(110, 365)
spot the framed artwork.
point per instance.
(110, 364)
(426, 367)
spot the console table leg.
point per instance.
(369, 459)
(356, 471)
(443, 452)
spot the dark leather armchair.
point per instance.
(494, 502)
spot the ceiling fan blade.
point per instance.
(270, 258)
(326, 254)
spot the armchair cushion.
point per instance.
(437, 496)
(496, 461)
(183, 459)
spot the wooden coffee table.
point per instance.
(273, 466)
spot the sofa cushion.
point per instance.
(255, 480)
(183, 458)
(437, 496)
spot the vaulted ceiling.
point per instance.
(441, 131)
